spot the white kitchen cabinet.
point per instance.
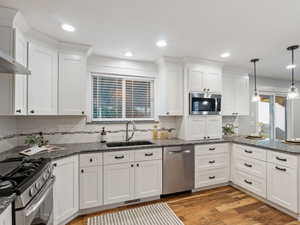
(283, 186)
(118, 183)
(20, 87)
(6, 216)
(91, 187)
(65, 191)
(200, 80)
(42, 83)
(148, 179)
(235, 98)
(72, 84)
(170, 88)
(6, 96)
(204, 127)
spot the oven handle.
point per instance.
(42, 195)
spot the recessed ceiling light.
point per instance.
(291, 66)
(128, 54)
(225, 55)
(161, 43)
(68, 27)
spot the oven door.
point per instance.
(40, 210)
(203, 104)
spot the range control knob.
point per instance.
(45, 176)
(32, 192)
(37, 185)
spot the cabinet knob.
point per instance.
(82, 171)
(208, 89)
(131, 165)
(31, 111)
(82, 112)
(55, 164)
(138, 165)
(91, 160)
(208, 137)
(18, 111)
(168, 113)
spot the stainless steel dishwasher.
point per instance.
(178, 169)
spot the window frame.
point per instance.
(124, 78)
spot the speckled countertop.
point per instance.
(71, 149)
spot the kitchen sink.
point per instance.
(128, 143)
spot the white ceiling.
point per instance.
(196, 28)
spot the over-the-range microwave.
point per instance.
(202, 103)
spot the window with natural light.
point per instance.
(121, 98)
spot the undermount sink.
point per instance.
(128, 143)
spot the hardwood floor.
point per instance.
(219, 206)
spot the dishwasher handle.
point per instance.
(181, 151)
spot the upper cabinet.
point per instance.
(202, 78)
(235, 98)
(72, 84)
(42, 83)
(170, 88)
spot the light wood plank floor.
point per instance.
(219, 206)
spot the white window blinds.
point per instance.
(121, 98)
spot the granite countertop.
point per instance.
(6, 201)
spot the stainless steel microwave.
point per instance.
(205, 103)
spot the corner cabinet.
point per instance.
(72, 84)
(235, 98)
(170, 88)
(65, 192)
(42, 83)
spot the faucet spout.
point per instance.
(127, 137)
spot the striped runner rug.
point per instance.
(155, 214)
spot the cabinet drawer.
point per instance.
(252, 183)
(212, 161)
(211, 177)
(148, 154)
(91, 159)
(255, 153)
(211, 149)
(116, 157)
(252, 166)
(283, 159)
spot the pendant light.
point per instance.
(255, 97)
(293, 91)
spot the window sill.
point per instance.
(121, 122)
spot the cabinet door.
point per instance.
(20, 95)
(91, 190)
(213, 127)
(283, 186)
(228, 96)
(196, 80)
(212, 81)
(72, 84)
(173, 91)
(242, 102)
(148, 179)
(118, 183)
(6, 96)
(65, 191)
(196, 128)
(42, 83)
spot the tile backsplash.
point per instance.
(8, 133)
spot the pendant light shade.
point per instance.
(293, 90)
(255, 97)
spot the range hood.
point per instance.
(9, 65)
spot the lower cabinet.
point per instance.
(91, 187)
(118, 183)
(65, 188)
(6, 216)
(283, 186)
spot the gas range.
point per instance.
(25, 177)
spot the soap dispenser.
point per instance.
(103, 135)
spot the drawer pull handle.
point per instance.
(91, 160)
(248, 182)
(281, 169)
(281, 159)
(212, 177)
(248, 165)
(212, 161)
(119, 157)
(212, 149)
(149, 154)
(249, 152)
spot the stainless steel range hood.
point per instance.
(9, 65)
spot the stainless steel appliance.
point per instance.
(205, 103)
(32, 181)
(178, 169)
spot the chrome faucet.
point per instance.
(127, 138)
